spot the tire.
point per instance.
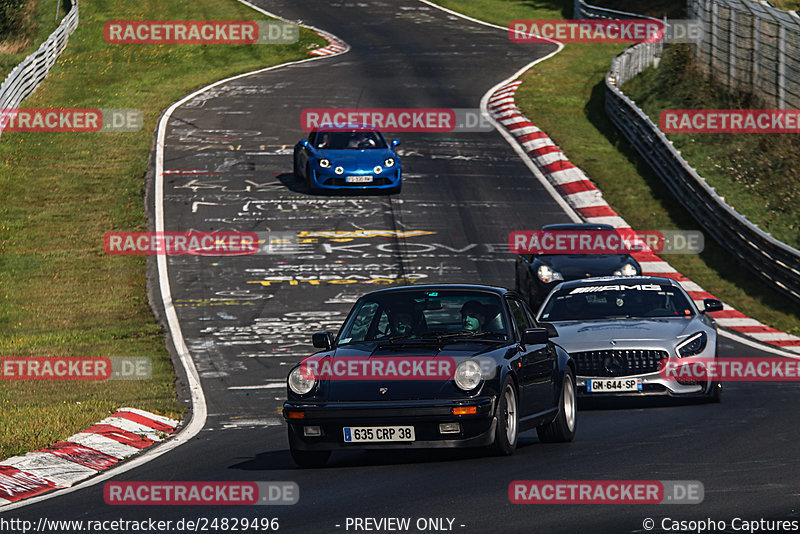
(310, 188)
(562, 429)
(296, 169)
(714, 394)
(310, 459)
(507, 430)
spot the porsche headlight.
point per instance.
(626, 270)
(547, 275)
(468, 375)
(301, 381)
(388, 163)
(338, 170)
(378, 169)
(325, 163)
(692, 345)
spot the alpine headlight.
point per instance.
(378, 169)
(547, 275)
(338, 170)
(325, 163)
(626, 270)
(693, 345)
(301, 380)
(468, 375)
(388, 163)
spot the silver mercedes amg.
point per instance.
(621, 331)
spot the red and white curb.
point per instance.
(582, 195)
(101, 446)
(336, 46)
(30, 478)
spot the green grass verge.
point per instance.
(654, 8)
(60, 294)
(758, 174)
(788, 5)
(38, 23)
(565, 96)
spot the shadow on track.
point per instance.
(628, 403)
(297, 186)
(281, 460)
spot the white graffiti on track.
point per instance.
(283, 332)
(385, 269)
(233, 90)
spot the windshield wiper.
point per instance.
(402, 339)
(443, 335)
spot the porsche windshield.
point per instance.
(592, 302)
(343, 140)
(425, 314)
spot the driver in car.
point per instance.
(473, 316)
(361, 140)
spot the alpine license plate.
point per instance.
(359, 179)
(613, 385)
(357, 434)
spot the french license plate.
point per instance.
(359, 179)
(357, 434)
(613, 385)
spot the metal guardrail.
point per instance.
(751, 47)
(771, 260)
(26, 77)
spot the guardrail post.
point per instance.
(732, 49)
(756, 34)
(714, 35)
(26, 77)
(782, 67)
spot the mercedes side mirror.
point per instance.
(712, 305)
(551, 329)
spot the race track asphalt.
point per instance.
(248, 319)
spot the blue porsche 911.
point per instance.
(350, 157)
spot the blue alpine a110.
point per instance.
(347, 157)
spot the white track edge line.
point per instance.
(510, 139)
(558, 198)
(199, 408)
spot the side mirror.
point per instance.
(322, 340)
(551, 329)
(305, 144)
(712, 305)
(535, 336)
(395, 142)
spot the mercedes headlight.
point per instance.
(388, 163)
(693, 345)
(325, 163)
(468, 375)
(378, 169)
(547, 275)
(338, 170)
(626, 270)
(301, 380)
